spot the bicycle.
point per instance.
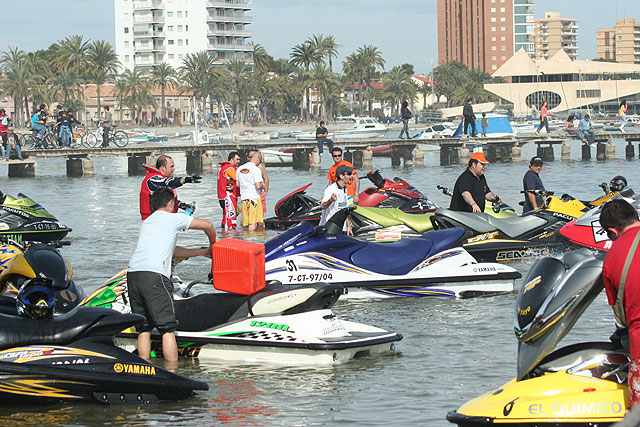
(48, 141)
(82, 137)
(119, 137)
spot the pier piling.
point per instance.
(25, 169)
(600, 151)
(395, 158)
(547, 154)
(315, 159)
(418, 158)
(80, 166)
(194, 163)
(301, 160)
(565, 151)
(358, 159)
(586, 152)
(516, 153)
(135, 162)
(367, 159)
(629, 151)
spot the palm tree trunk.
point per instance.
(369, 92)
(26, 107)
(98, 96)
(162, 119)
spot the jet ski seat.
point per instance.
(443, 239)
(62, 330)
(516, 225)
(475, 221)
(395, 258)
(390, 217)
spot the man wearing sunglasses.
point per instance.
(353, 188)
(621, 276)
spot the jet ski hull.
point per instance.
(451, 273)
(314, 338)
(555, 398)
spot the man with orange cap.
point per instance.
(471, 189)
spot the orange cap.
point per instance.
(479, 156)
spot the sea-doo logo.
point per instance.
(482, 237)
(522, 254)
(127, 368)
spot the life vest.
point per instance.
(224, 182)
(145, 193)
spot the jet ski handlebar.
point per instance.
(543, 193)
(444, 190)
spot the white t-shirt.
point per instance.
(157, 241)
(340, 203)
(248, 175)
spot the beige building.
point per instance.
(553, 33)
(483, 34)
(566, 84)
(621, 43)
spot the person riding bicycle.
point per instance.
(38, 121)
(106, 124)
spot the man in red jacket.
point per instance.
(228, 190)
(161, 177)
(621, 270)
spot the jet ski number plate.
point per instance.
(311, 277)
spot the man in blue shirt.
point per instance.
(532, 181)
(587, 129)
(38, 121)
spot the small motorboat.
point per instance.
(276, 158)
(583, 384)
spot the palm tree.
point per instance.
(283, 67)
(11, 58)
(138, 93)
(16, 83)
(261, 60)
(98, 77)
(163, 76)
(304, 55)
(72, 52)
(324, 81)
(354, 69)
(330, 50)
(66, 80)
(398, 87)
(103, 63)
(121, 88)
(238, 71)
(198, 74)
(372, 59)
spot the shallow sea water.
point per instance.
(452, 351)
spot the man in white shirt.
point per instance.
(250, 182)
(149, 287)
(335, 197)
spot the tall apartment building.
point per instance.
(621, 43)
(483, 34)
(150, 32)
(553, 33)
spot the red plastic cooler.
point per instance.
(238, 266)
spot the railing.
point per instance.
(232, 33)
(230, 18)
(141, 5)
(244, 4)
(234, 47)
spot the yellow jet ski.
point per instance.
(583, 384)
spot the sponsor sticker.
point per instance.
(388, 235)
(599, 233)
(129, 368)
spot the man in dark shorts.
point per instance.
(532, 181)
(150, 289)
(471, 189)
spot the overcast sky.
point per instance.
(404, 31)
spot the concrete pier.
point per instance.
(610, 151)
(80, 166)
(586, 152)
(407, 156)
(516, 153)
(301, 159)
(601, 151)
(629, 151)
(135, 162)
(194, 163)
(418, 158)
(395, 158)
(367, 159)
(23, 169)
(207, 162)
(565, 152)
(358, 159)
(316, 159)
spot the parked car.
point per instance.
(388, 119)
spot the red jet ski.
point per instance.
(299, 206)
(586, 232)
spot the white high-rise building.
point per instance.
(150, 32)
(523, 26)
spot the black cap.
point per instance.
(342, 169)
(535, 160)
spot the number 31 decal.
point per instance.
(291, 266)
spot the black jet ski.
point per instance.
(583, 384)
(279, 323)
(72, 357)
(23, 219)
(298, 206)
(531, 235)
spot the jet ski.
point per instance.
(282, 324)
(23, 219)
(72, 358)
(586, 230)
(298, 206)
(583, 384)
(531, 235)
(429, 266)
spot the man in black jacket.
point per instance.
(469, 118)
